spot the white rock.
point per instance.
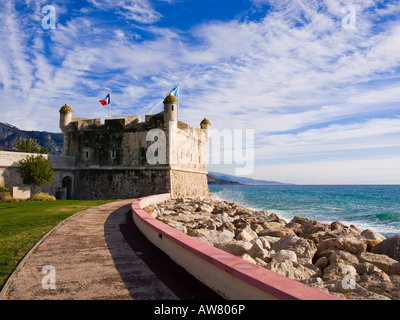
(284, 255)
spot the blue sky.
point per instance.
(323, 100)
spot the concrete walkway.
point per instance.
(94, 258)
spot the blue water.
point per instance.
(367, 207)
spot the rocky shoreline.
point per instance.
(343, 260)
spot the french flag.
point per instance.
(106, 101)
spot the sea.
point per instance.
(375, 207)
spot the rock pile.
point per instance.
(342, 260)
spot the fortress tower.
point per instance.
(206, 126)
(170, 109)
(65, 119)
(111, 157)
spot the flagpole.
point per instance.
(109, 107)
(179, 98)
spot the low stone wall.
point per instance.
(9, 176)
(230, 276)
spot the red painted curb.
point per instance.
(270, 282)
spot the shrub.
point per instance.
(8, 199)
(43, 197)
(4, 189)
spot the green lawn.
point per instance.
(22, 224)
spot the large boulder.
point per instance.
(383, 262)
(333, 272)
(260, 249)
(284, 255)
(270, 240)
(390, 247)
(197, 233)
(312, 227)
(248, 258)
(342, 258)
(321, 263)
(204, 208)
(304, 248)
(219, 237)
(237, 248)
(291, 269)
(378, 282)
(349, 242)
(277, 232)
(247, 234)
(373, 238)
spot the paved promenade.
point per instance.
(98, 254)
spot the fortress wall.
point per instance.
(120, 183)
(185, 183)
(188, 148)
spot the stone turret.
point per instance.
(170, 109)
(206, 126)
(65, 117)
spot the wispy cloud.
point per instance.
(137, 10)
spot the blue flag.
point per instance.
(175, 92)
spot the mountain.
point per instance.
(212, 179)
(10, 134)
(243, 180)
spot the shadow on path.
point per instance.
(148, 272)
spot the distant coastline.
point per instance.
(216, 178)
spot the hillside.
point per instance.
(9, 135)
(245, 181)
(212, 179)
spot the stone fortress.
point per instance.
(124, 158)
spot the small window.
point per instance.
(172, 107)
(142, 152)
(142, 155)
(86, 154)
(113, 154)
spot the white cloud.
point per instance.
(371, 134)
(137, 10)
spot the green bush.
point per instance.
(4, 189)
(43, 197)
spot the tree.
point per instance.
(30, 146)
(36, 171)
